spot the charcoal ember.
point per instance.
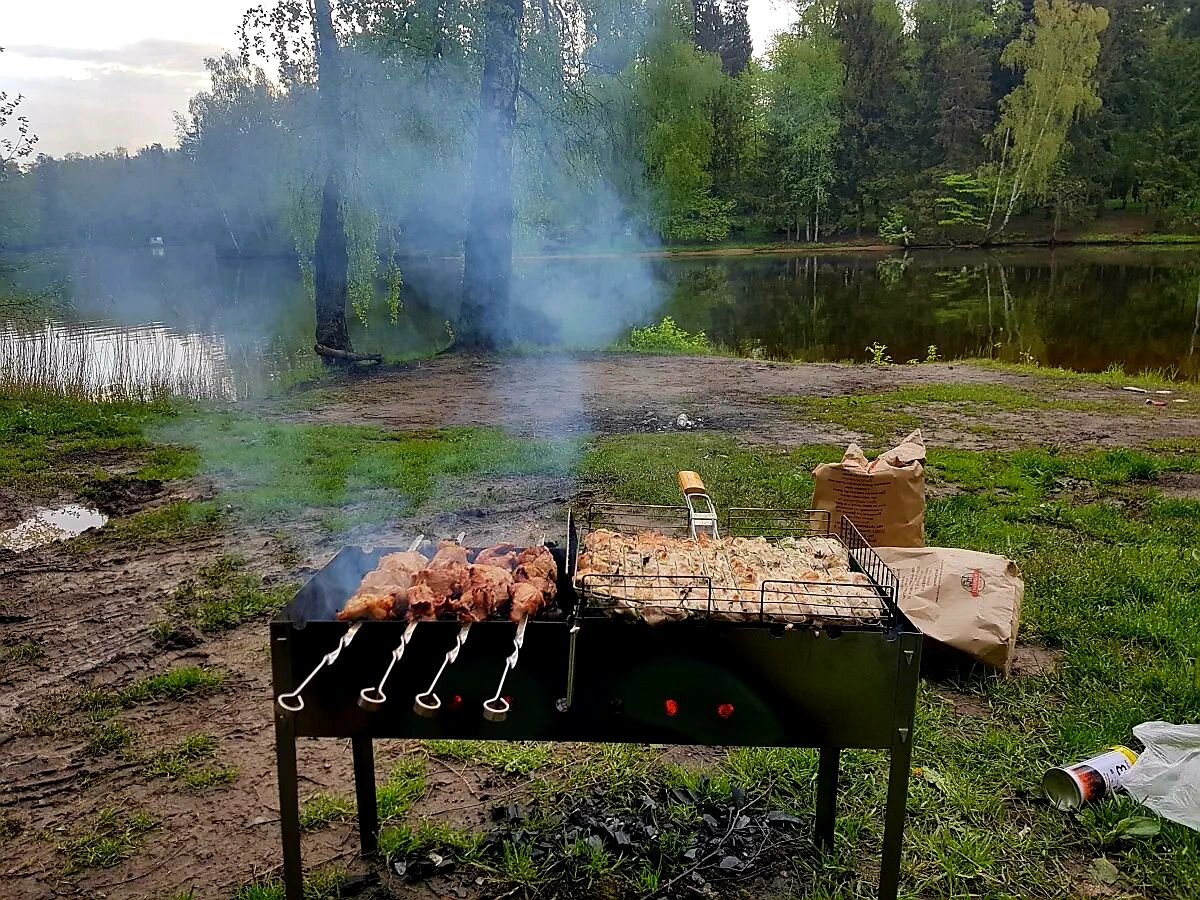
(730, 862)
(778, 817)
(711, 822)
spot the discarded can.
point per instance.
(1070, 787)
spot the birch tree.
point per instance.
(1057, 55)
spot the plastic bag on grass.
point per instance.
(1166, 777)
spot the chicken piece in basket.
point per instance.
(486, 590)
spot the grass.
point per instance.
(178, 522)
(48, 443)
(398, 841)
(325, 883)
(112, 835)
(1112, 584)
(890, 415)
(348, 474)
(520, 758)
(323, 809)
(19, 654)
(181, 762)
(1113, 377)
(223, 595)
(108, 737)
(185, 681)
(394, 798)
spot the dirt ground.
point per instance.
(612, 393)
(92, 614)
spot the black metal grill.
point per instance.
(584, 674)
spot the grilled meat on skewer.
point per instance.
(500, 555)
(527, 601)
(448, 553)
(487, 589)
(434, 588)
(409, 561)
(536, 566)
(383, 592)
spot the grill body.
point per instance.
(589, 677)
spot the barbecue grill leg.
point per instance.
(364, 791)
(289, 806)
(827, 784)
(893, 829)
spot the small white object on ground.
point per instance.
(1164, 392)
(1179, 400)
(684, 422)
(1166, 777)
(1136, 390)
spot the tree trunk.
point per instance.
(331, 262)
(487, 257)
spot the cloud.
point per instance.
(152, 54)
(90, 99)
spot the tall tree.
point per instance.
(18, 147)
(487, 259)
(803, 97)
(331, 261)
(708, 25)
(1057, 54)
(736, 47)
(874, 152)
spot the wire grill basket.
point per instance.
(712, 591)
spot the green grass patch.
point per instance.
(223, 595)
(113, 835)
(888, 416)
(350, 474)
(325, 883)
(404, 787)
(1112, 377)
(108, 737)
(642, 468)
(398, 841)
(20, 653)
(185, 681)
(323, 808)
(520, 758)
(48, 443)
(187, 762)
(178, 522)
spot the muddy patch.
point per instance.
(1179, 485)
(121, 496)
(1032, 660)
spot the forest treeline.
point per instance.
(923, 121)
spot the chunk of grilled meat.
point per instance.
(382, 594)
(406, 561)
(486, 591)
(434, 587)
(500, 555)
(527, 600)
(536, 566)
(449, 552)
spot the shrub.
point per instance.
(667, 337)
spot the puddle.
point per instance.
(46, 526)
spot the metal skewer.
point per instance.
(372, 698)
(292, 701)
(428, 703)
(496, 708)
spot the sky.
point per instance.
(99, 75)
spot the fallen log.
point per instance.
(345, 356)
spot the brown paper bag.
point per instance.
(966, 600)
(885, 499)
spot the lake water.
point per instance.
(190, 323)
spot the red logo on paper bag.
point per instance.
(973, 583)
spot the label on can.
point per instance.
(1073, 786)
